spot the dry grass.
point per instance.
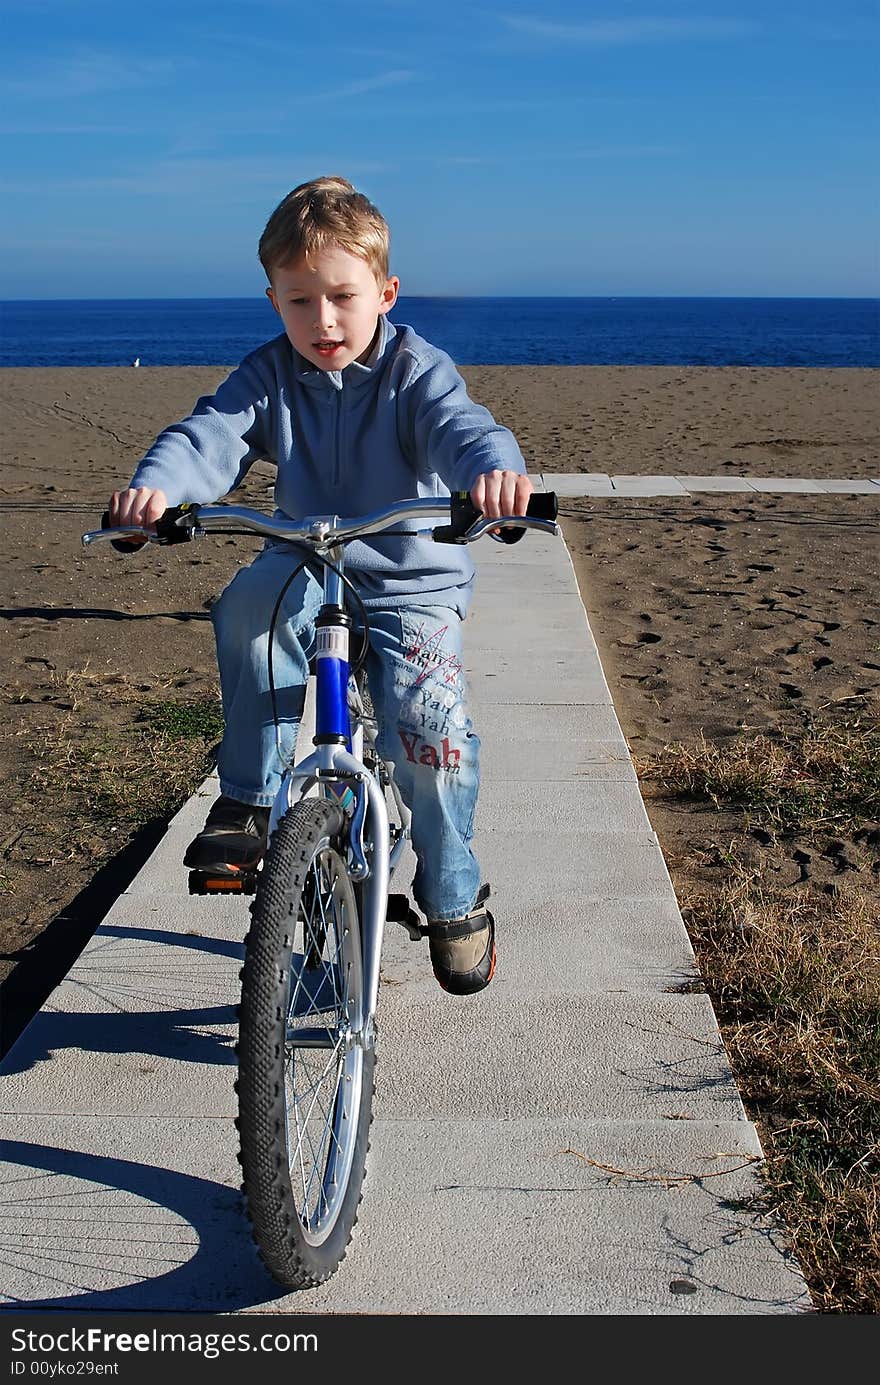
(794, 974)
(826, 778)
(138, 772)
(109, 755)
(795, 979)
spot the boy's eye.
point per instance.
(345, 295)
(298, 302)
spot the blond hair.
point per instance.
(325, 211)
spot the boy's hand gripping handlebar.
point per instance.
(467, 522)
(181, 523)
(171, 527)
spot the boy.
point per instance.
(356, 413)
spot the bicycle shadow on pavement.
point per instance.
(171, 1034)
(105, 974)
(180, 1242)
(46, 959)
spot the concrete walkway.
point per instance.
(571, 1141)
(599, 484)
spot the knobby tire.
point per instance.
(302, 1200)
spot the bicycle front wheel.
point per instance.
(305, 1083)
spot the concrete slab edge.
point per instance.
(577, 484)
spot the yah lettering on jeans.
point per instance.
(422, 752)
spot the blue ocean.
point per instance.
(475, 331)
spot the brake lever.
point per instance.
(514, 526)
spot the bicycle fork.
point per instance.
(342, 775)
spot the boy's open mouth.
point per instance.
(327, 347)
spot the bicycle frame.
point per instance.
(337, 760)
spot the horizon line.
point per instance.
(488, 297)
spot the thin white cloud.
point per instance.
(395, 78)
(490, 104)
(276, 49)
(228, 179)
(520, 156)
(90, 71)
(55, 130)
(608, 32)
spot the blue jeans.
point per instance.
(416, 679)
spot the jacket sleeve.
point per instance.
(453, 436)
(208, 454)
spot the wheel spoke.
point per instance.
(326, 1139)
(315, 1107)
(311, 1093)
(321, 1157)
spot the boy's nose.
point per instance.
(325, 316)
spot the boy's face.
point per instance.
(330, 306)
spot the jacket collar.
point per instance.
(353, 375)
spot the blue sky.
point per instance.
(653, 147)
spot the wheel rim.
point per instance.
(324, 1052)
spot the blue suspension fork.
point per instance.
(332, 636)
(333, 747)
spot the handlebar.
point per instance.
(182, 523)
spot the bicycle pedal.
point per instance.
(400, 911)
(229, 881)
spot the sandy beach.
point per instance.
(712, 615)
(92, 425)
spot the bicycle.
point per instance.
(307, 1020)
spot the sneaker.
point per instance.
(463, 950)
(235, 834)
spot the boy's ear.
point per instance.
(270, 294)
(389, 295)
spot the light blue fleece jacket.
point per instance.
(349, 443)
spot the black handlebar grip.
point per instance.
(128, 546)
(542, 505)
(463, 513)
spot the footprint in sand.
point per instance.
(791, 690)
(822, 662)
(648, 637)
(802, 860)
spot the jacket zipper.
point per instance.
(337, 430)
